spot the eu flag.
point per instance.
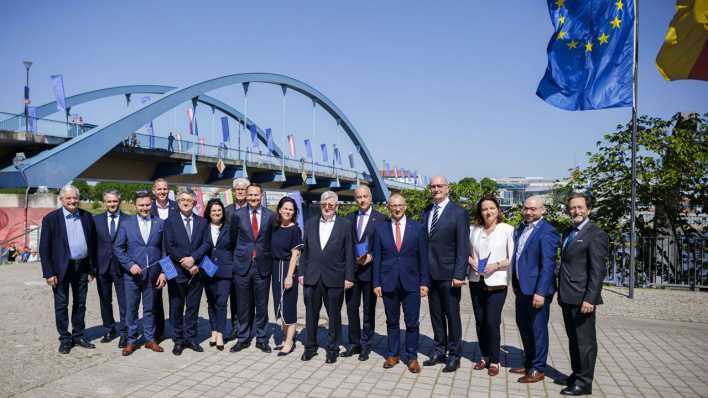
(589, 55)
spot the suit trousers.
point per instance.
(252, 309)
(533, 327)
(333, 298)
(77, 280)
(487, 307)
(233, 305)
(158, 311)
(105, 284)
(361, 334)
(217, 293)
(135, 288)
(444, 303)
(582, 344)
(411, 316)
(184, 321)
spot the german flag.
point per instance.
(684, 54)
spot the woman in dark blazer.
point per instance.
(217, 287)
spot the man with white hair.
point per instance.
(327, 270)
(68, 253)
(239, 195)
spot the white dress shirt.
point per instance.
(163, 212)
(258, 216)
(144, 224)
(402, 222)
(365, 216)
(499, 246)
(191, 223)
(214, 229)
(522, 241)
(441, 207)
(326, 228)
(108, 219)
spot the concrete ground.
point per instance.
(653, 346)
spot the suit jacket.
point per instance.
(335, 263)
(229, 212)
(107, 262)
(537, 263)
(54, 243)
(363, 272)
(410, 266)
(178, 245)
(245, 243)
(221, 253)
(449, 245)
(174, 209)
(130, 248)
(582, 267)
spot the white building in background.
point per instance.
(514, 190)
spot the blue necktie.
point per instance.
(571, 237)
(112, 230)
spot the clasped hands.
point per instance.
(188, 263)
(488, 270)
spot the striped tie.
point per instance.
(434, 222)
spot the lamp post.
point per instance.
(28, 64)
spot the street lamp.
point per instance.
(28, 64)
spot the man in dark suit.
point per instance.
(138, 247)
(533, 279)
(162, 207)
(448, 249)
(582, 270)
(364, 221)
(327, 270)
(186, 244)
(401, 276)
(238, 193)
(110, 272)
(67, 247)
(251, 228)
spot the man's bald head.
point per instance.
(439, 188)
(534, 209)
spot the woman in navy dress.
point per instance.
(286, 242)
(217, 287)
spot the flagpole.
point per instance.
(635, 106)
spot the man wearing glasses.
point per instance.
(327, 270)
(239, 186)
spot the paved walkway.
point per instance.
(653, 346)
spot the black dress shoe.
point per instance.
(435, 359)
(265, 347)
(568, 381)
(364, 356)
(220, 347)
(331, 357)
(178, 348)
(452, 365)
(109, 336)
(353, 350)
(194, 347)
(307, 355)
(81, 342)
(64, 348)
(239, 346)
(212, 344)
(122, 342)
(576, 390)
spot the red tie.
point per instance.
(398, 237)
(254, 229)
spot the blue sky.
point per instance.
(443, 87)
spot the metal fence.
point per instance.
(55, 128)
(661, 262)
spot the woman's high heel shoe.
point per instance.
(283, 353)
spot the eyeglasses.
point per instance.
(328, 204)
(397, 206)
(437, 186)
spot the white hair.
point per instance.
(240, 183)
(327, 195)
(363, 188)
(68, 187)
(186, 191)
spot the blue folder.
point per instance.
(208, 266)
(168, 268)
(482, 264)
(362, 248)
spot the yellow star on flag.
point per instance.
(560, 3)
(561, 19)
(603, 38)
(588, 46)
(616, 23)
(619, 5)
(561, 35)
(573, 44)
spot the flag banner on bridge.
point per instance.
(308, 149)
(291, 145)
(254, 136)
(337, 155)
(225, 128)
(590, 55)
(351, 160)
(190, 118)
(32, 119)
(58, 87)
(325, 158)
(269, 139)
(196, 127)
(149, 127)
(297, 197)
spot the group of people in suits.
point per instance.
(354, 259)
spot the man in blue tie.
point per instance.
(533, 279)
(138, 247)
(186, 243)
(110, 272)
(162, 207)
(402, 276)
(67, 247)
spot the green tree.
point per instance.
(488, 185)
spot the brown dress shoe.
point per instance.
(533, 376)
(493, 369)
(129, 349)
(482, 364)
(414, 366)
(390, 362)
(518, 371)
(152, 345)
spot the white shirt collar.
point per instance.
(582, 224)
(184, 219)
(442, 204)
(323, 221)
(366, 213)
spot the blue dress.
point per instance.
(283, 240)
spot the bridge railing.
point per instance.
(55, 128)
